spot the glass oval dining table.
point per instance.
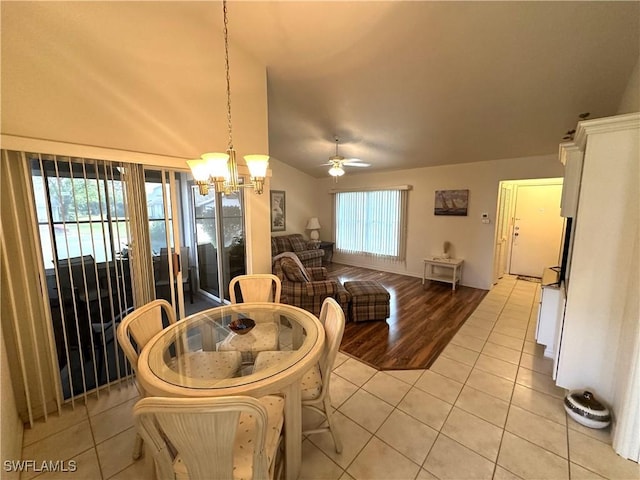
(201, 356)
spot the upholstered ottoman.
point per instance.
(369, 301)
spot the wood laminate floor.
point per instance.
(422, 321)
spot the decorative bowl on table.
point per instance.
(242, 325)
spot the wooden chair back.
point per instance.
(201, 433)
(140, 326)
(261, 287)
(333, 319)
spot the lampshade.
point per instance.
(313, 224)
(217, 164)
(257, 165)
(199, 169)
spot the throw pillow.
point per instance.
(292, 271)
(297, 244)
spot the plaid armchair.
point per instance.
(307, 287)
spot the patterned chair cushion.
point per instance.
(297, 243)
(243, 445)
(293, 271)
(311, 256)
(311, 382)
(207, 365)
(283, 244)
(264, 336)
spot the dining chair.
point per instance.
(133, 333)
(259, 287)
(137, 328)
(262, 287)
(315, 382)
(214, 438)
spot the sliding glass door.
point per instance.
(219, 236)
(114, 236)
(171, 256)
(81, 209)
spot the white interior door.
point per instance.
(537, 229)
(502, 232)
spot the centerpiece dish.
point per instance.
(242, 326)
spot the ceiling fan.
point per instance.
(338, 162)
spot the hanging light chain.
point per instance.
(221, 170)
(226, 66)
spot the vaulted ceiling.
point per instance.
(409, 84)
(402, 83)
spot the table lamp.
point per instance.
(314, 225)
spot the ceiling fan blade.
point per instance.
(355, 163)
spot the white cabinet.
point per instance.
(571, 157)
(550, 313)
(605, 233)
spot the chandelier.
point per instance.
(220, 170)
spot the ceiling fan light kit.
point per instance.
(220, 170)
(336, 170)
(337, 162)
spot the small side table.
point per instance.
(328, 252)
(447, 270)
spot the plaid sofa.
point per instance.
(307, 287)
(310, 255)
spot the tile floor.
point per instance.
(487, 408)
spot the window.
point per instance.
(155, 210)
(79, 208)
(371, 222)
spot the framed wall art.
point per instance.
(278, 211)
(451, 202)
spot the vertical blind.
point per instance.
(372, 222)
(82, 210)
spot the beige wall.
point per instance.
(630, 101)
(470, 238)
(303, 199)
(67, 77)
